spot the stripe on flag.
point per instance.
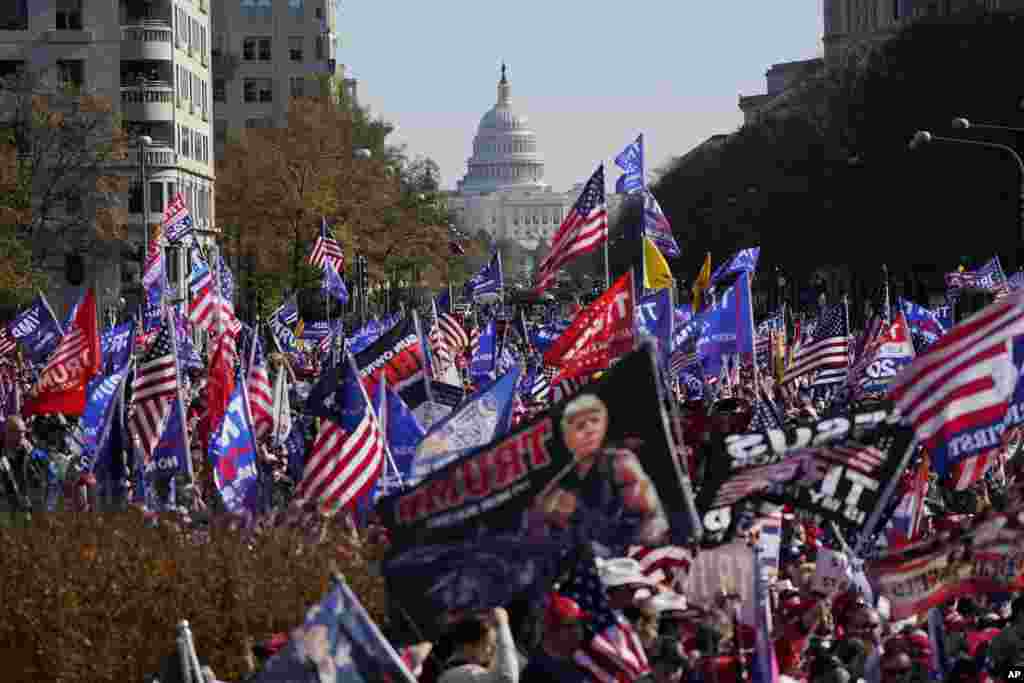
(585, 227)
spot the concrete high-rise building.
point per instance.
(151, 60)
(264, 54)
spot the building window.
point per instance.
(258, 90)
(249, 49)
(218, 45)
(319, 13)
(321, 51)
(71, 73)
(297, 83)
(220, 131)
(295, 8)
(72, 201)
(14, 16)
(261, 122)
(295, 48)
(220, 90)
(264, 49)
(134, 197)
(69, 15)
(156, 197)
(10, 69)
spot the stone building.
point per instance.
(264, 54)
(503, 193)
(151, 60)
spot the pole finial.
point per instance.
(504, 68)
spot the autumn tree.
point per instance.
(69, 143)
(61, 189)
(275, 186)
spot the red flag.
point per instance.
(77, 359)
(601, 332)
(220, 386)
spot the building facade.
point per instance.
(151, 60)
(264, 54)
(503, 193)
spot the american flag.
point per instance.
(827, 349)
(348, 453)
(177, 220)
(442, 354)
(7, 342)
(989, 277)
(613, 650)
(965, 379)
(205, 301)
(455, 337)
(663, 564)
(764, 418)
(474, 341)
(327, 250)
(585, 227)
(154, 390)
(261, 393)
(753, 480)
(865, 459)
(153, 268)
(970, 471)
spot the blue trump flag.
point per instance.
(926, 328)
(481, 366)
(233, 455)
(103, 391)
(337, 642)
(171, 453)
(403, 430)
(654, 319)
(483, 418)
(488, 281)
(726, 328)
(631, 161)
(743, 261)
(333, 284)
(37, 329)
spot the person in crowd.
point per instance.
(1007, 648)
(563, 633)
(669, 662)
(484, 651)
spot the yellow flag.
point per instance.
(300, 327)
(703, 280)
(656, 271)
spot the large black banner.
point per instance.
(597, 468)
(833, 470)
(397, 355)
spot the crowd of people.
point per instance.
(816, 637)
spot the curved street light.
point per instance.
(962, 123)
(923, 137)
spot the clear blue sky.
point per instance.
(589, 75)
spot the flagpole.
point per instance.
(885, 284)
(177, 393)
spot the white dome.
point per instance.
(505, 152)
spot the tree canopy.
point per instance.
(825, 176)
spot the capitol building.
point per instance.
(503, 193)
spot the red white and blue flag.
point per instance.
(261, 393)
(957, 394)
(348, 453)
(178, 222)
(327, 250)
(584, 228)
(612, 650)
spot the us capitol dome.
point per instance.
(505, 152)
(503, 193)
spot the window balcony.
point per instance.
(149, 41)
(152, 102)
(160, 154)
(204, 6)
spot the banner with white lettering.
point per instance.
(987, 558)
(833, 470)
(601, 332)
(598, 467)
(398, 355)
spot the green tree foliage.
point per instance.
(826, 176)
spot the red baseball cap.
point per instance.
(563, 609)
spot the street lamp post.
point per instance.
(144, 141)
(923, 137)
